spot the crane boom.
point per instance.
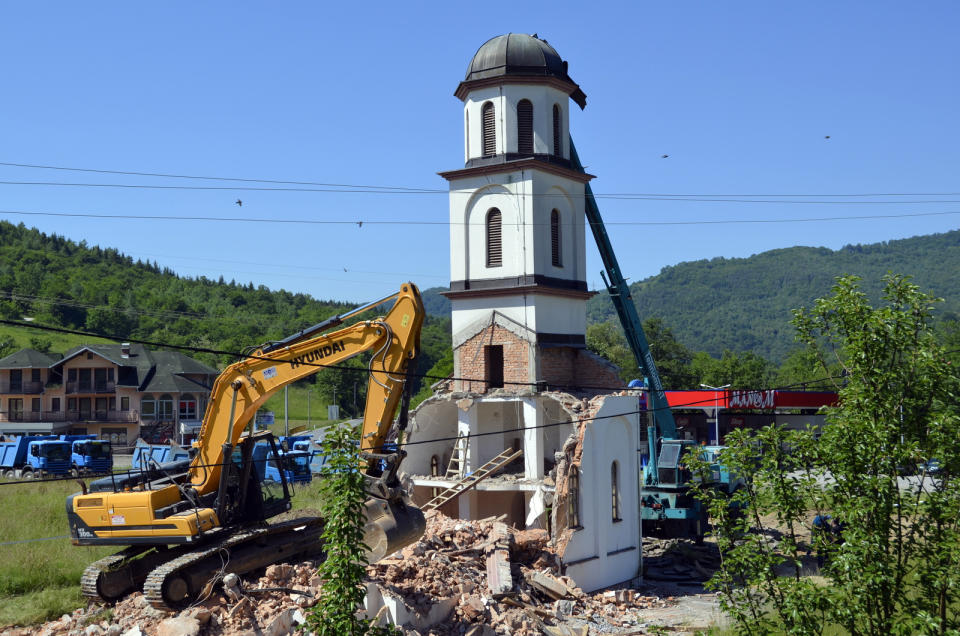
(619, 292)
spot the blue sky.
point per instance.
(740, 95)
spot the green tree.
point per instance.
(606, 339)
(803, 370)
(442, 369)
(339, 385)
(7, 345)
(672, 358)
(893, 564)
(343, 568)
(43, 345)
(744, 370)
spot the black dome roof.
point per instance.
(520, 55)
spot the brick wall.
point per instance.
(472, 361)
(566, 368)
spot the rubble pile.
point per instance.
(679, 560)
(273, 604)
(477, 578)
(487, 578)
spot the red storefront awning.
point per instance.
(750, 400)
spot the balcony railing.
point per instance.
(69, 416)
(76, 387)
(21, 388)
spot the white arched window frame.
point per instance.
(494, 238)
(573, 499)
(488, 129)
(557, 131)
(615, 491)
(555, 239)
(525, 127)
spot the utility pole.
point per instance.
(286, 411)
(308, 409)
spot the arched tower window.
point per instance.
(557, 125)
(555, 238)
(525, 127)
(489, 131)
(494, 243)
(615, 491)
(573, 498)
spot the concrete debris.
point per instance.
(179, 626)
(679, 560)
(463, 577)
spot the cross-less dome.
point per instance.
(518, 55)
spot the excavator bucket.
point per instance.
(391, 526)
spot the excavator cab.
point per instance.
(247, 492)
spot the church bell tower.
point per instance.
(517, 235)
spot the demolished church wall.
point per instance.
(598, 549)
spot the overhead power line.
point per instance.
(434, 190)
(245, 355)
(361, 189)
(705, 402)
(362, 222)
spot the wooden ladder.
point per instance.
(469, 481)
(456, 468)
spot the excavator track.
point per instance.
(107, 580)
(178, 582)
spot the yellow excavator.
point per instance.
(187, 525)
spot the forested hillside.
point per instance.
(56, 281)
(744, 304)
(735, 310)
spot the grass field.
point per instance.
(299, 404)
(59, 342)
(40, 580)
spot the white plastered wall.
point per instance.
(525, 199)
(505, 99)
(608, 551)
(433, 419)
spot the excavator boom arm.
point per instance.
(244, 386)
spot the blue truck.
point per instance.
(34, 456)
(147, 455)
(295, 464)
(89, 455)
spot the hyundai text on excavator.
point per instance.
(184, 529)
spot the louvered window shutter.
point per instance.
(557, 142)
(494, 245)
(489, 132)
(555, 238)
(525, 127)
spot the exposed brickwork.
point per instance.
(562, 367)
(472, 362)
(570, 369)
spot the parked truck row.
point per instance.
(37, 456)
